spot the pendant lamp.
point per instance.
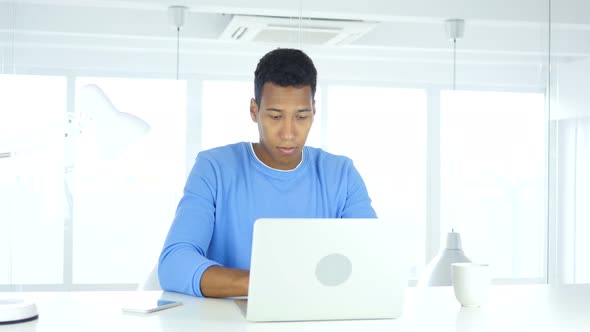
(438, 271)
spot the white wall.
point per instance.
(572, 91)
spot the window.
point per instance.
(31, 179)
(492, 178)
(383, 130)
(118, 195)
(125, 191)
(226, 120)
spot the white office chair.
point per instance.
(152, 282)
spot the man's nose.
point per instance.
(288, 129)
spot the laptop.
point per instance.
(326, 269)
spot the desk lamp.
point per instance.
(114, 131)
(438, 271)
(14, 310)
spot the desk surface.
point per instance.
(510, 308)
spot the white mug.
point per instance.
(471, 283)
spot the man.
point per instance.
(207, 251)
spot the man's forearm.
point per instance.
(220, 281)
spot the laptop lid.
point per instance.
(326, 269)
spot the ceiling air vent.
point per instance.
(274, 29)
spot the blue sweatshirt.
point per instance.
(229, 188)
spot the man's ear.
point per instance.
(253, 110)
(313, 106)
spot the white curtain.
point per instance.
(571, 161)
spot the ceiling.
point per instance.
(506, 32)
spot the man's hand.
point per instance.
(220, 281)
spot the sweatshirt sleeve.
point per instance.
(358, 202)
(183, 259)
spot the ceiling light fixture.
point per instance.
(177, 16)
(455, 28)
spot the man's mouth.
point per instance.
(287, 150)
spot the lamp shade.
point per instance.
(115, 131)
(438, 271)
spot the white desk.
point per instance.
(510, 308)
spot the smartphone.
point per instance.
(150, 306)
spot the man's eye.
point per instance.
(301, 117)
(275, 117)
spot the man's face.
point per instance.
(284, 119)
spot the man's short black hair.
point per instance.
(285, 67)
